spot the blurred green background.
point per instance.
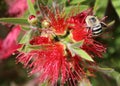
(12, 73)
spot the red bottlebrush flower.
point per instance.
(40, 40)
(59, 25)
(79, 31)
(79, 34)
(57, 22)
(92, 46)
(9, 44)
(17, 7)
(59, 58)
(51, 63)
(78, 21)
(89, 45)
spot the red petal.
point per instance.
(79, 34)
(40, 40)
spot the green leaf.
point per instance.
(35, 47)
(28, 48)
(76, 1)
(75, 50)
(44, 84)
(49, 2)
(83, 7)
(25, 28)
(31, 7)
(44, 2)
(77, 44)
(61, 1)
(21, 21)
(116, 4)
(84, 82)
(100, 7)
(111, 73)
(82, 54)
(75, 8)
(26, 38)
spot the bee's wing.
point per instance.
(107, 25)
(103, 24)
(111, 23)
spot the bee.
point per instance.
(94, 25)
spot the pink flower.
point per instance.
(9, 44)
(17, 7)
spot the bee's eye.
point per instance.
(92, 20)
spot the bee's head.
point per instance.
(92, 20)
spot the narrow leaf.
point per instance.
(77, 44)
(76, 1)
(44, 84)
(62, 1)
(75, 8)
(35, 47)
(82, 54)
(49, 2)
(26, 38)
(32, 47)
(31, 7)
(44, 2)
(78, 51)
(27, 48)
(25, 28)
(116, 4)
(110, 72)
(100, 7)
(83, 7)
(84, 82)
(20, 21)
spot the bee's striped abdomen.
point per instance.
(97, 30)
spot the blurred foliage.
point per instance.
(3, 8)
(10, 72)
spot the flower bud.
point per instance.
(38, 13)
(45, 24)
(32, 20)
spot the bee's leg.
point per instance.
(88, 29)
(103, 19)
(103, 24)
